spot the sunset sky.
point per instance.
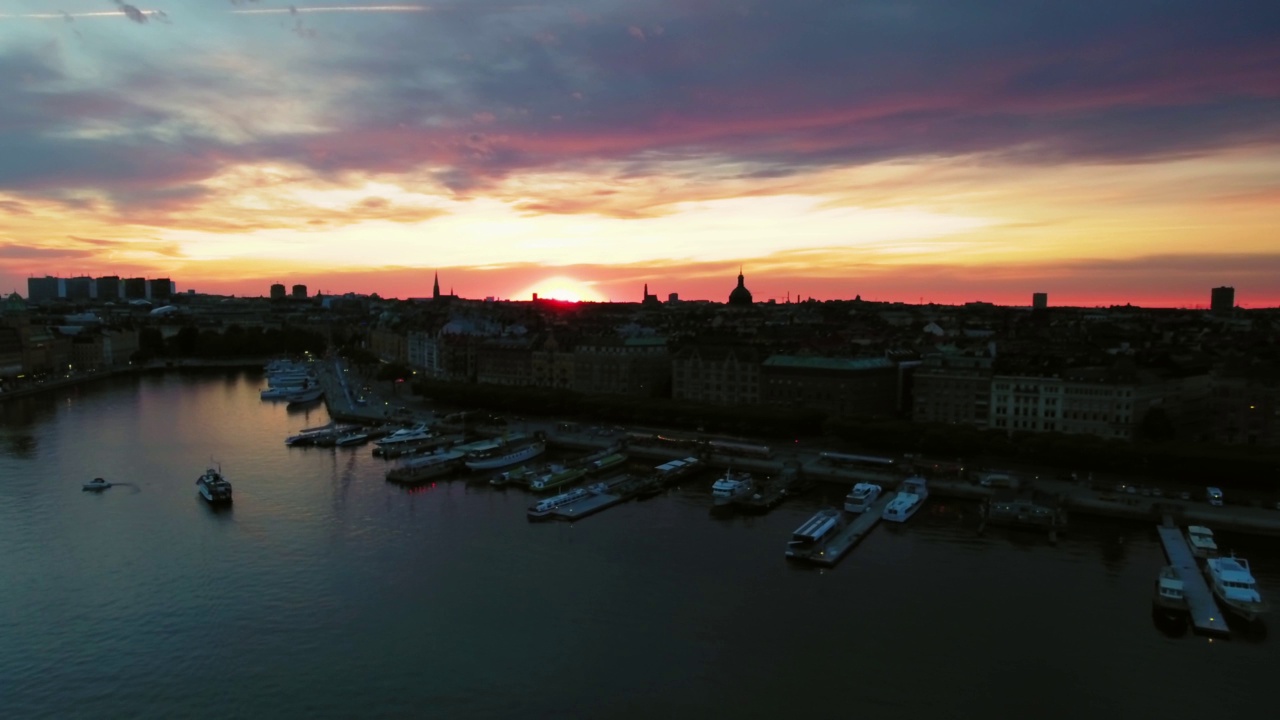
(935, 150)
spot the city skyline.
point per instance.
(913, 152)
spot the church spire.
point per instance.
(435, 289)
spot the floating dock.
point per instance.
(830, 552)
(1205, 614)
(599, 499)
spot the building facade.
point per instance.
(718, 374)
(864, 387)
(953, 389)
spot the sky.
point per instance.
(915, 151)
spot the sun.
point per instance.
(565, 289)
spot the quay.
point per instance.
(1205, 614)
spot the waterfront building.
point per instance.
(953, 388)
(639, 366)
(866, 387)
(721, 374)
(552, 362)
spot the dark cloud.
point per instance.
(473, 92)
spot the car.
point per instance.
(1214, 496)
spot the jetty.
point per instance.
(842, 541)
(1205, 614)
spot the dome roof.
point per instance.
(740, 295)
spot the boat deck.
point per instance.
(1205, 614)
(587, 506)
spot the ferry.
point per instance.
(731, 486)
(543, 508)
(1200, 538)
(1169, 597)
(213, 487)
(556, 476)
(505, 454)
(911, 495)
(1233, 584)
(861, 497)
(810, 539)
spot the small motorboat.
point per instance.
(96, 484)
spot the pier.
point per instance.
(1205, 614)
(853, 533)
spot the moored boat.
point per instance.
(861, 497)
(731, 486)
(304, 396)
(911, 495)
(1169, 597)
(557, 476)
(213, 487)
(543, 508)
(414, 433)
(426, 467)
(96, 484)
(810, 539)
(1200, 538)
(507, 453)
(1233, 584)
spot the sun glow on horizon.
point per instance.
(563, 288)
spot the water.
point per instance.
(327, 593)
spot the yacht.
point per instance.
(1200, 538)
(861, 497)
(1233, 584)
(415, 433)
(911, 495)
(731, 486)
(1169, 597)
(505, 454)
(213, 487)
(543, 508)
(96, 484)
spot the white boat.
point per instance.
(543, 508)
(1200, 538)
(415, 433)
(96, 484)
(1233, 584)
(213, 487)
(1169, 596)
(505, 454)
(731, 486)
(911, 495)
(861, 497)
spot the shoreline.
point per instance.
(150, 366)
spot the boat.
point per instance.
(96, 484)
(543, 508)
(425, 467)
(606, 463)
(213, 487)
(861, 497)
(810, 539)
(305, 396)
(281, 392)
(911, 495)
(1200, 538)
(731, 486)
(557, 476)
(413, 433)
(355, 438)
(505, 454)
(1169, 597)
(1233, 584)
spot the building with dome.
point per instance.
(741, 296)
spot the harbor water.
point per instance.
(326, 592)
